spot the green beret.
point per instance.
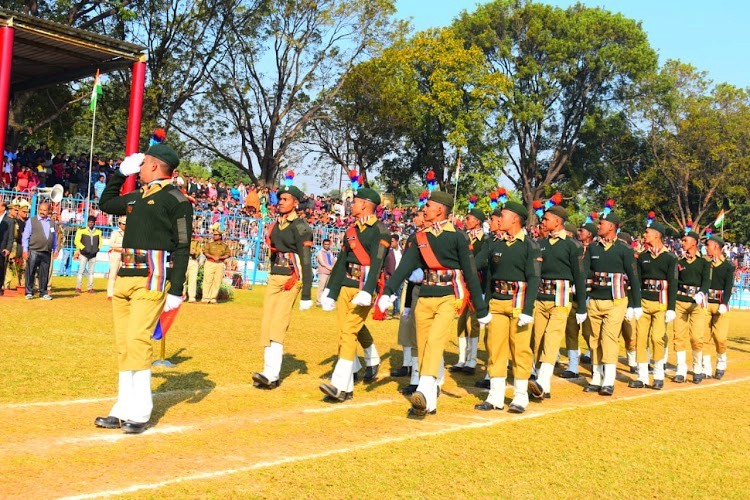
(443, 198)
(559, 211)
(570, 228)
(475, 212)
(717, 239)
(590, 227)
(693, 235)
(498, 211)
(611, 217)
(293, 190)
(368, 194)
(165, 154)
(625, 237)
(516, 208)
(658, 227)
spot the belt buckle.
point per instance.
(355, 272)
(128, 258)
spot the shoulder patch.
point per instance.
(177, 194)
(533, 244)
(303, 228)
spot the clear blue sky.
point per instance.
(712, 36)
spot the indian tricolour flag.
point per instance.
(96, 91)
(719, 222)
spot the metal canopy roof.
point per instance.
(46, 53)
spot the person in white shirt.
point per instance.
(325, 260)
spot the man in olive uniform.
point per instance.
(290, 240)
(216, 252)
(562, 269)
(8, 246)
(352, 284)
(17, 270)
(196, 251)
(450, 281)
(468, 326)
(629, 324)
(608, 301)
(115, 254)
(693, 281)
(160, 221)
(719, 293)
(513, 272)
(657, 269)
(573, 330)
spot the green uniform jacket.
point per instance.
(519, 260)
(722, 278)
(564, 260)
(161, 221)
(296, 237)
(451, 249)
(661, 267)
(618, 258)
(479, 247)
(693, 273)
(376, 240)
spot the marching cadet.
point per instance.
(290, 240)
(468, 326)
(513, 272)
(629, 324)
(694, 278)
(353, 282)
(196, 251)
(657, 269)
(573, 329)
(216, 252)
(514, 266)
(719, 293)
(450, 281)
(115, 254)
(562, 268)
(160, 221)
(610, 263)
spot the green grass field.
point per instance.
(215, 436)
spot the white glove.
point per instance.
(362, 298)
(637, 313)
(304, 305)
(417, 275)
(173, 302)
(486, 319)
(386, 301)
(327, 304)
(580, 318)
(723, 309)
(699, 298)
(629, 314)
(406, 312)
(132, 164)
(525, 319)
(669, 316)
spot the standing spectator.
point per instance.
(325, 265)
(252, 199)
(392, 261)
(99, 186)
(115, 255)
(39, 242)
(88, 240)
(216, 253)
(6, 225)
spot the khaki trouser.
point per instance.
(407, 327)
(652, 331)
(213, 274)
(115, 258)
(135, 312)
(606, 323)
(629, 329)
(351, 319)
(277, 309)
(322, 282)
(191, 278)
(434, 319)
(690, 323)
(573, 330)
(717, 328)
(549, 329)
(468, 326)
(506, 340)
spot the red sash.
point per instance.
(356, 246)
(433, 263)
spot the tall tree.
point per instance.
(277, 72)
(564, 65)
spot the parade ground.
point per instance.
(214, 435)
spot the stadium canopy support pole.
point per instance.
(135, 113)
(7, 34)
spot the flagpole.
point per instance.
(91, 165)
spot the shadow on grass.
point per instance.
(292, 364)
(179, 388)
(739, 340)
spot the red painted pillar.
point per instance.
(132, 143)
(6, 58)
